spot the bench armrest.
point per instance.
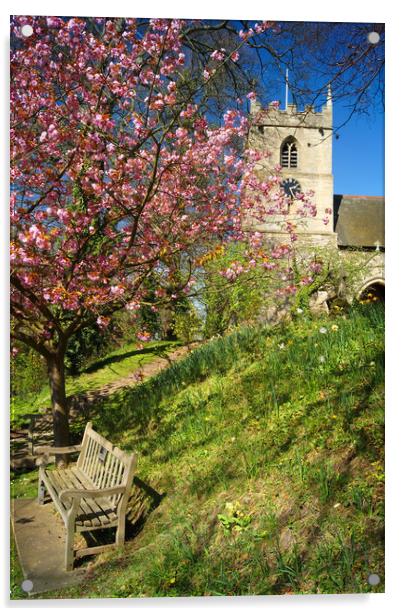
(77, 494)
(47, 450)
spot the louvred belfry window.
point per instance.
(289, 154)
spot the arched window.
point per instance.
(289, 154)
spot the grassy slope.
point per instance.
(114, 366)
(269, 449)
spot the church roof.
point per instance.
(359, 220)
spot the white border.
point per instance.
(307, 10)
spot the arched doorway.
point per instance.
(373, 291)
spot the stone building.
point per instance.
(352, 226)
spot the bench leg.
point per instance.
(120, 532)
(41, 491)
(69, 547)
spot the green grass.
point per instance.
(106, 371)
(17, 576)
(268, 446)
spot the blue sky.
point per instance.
(358, 154)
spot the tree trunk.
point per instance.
(55, 367)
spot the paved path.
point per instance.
(22, 445)
(39, 536)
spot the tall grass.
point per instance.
(288, 353)
(213, 358)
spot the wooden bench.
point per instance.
(91, 494)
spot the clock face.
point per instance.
(291, 187)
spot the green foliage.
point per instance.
(321, 269)
(84, 346)
(148, 319)
(93, 342)
(28, 373)
(187, 325)
(300, 303)
(234, 520)
(324, 477)
(288, 569)
(227, 303)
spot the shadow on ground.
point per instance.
(102, 363)
(143, 500)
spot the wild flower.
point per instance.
(143, 336)
(334, 328)
(322, 359)
(323, 330)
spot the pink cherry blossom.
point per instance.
(102, 321)
(218, 54)
(144, 336)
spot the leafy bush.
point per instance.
(230, 303)
(28, 373)
(188, 325)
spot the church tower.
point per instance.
(301, 142)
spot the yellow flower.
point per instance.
(334, 328)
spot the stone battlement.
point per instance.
(308, 118)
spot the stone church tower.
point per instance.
(353, 225)
(301, 142)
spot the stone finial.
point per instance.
(329, 100)
(255, 107)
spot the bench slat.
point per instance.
(116, 471)
(102, 506)
(119, 478)
(91, 512)
(106, 506)
(112, 472)
(104, 482)
(99, 468)
(65, 480)
(88, 454)
(92, 460)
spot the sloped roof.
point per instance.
(359, 220)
